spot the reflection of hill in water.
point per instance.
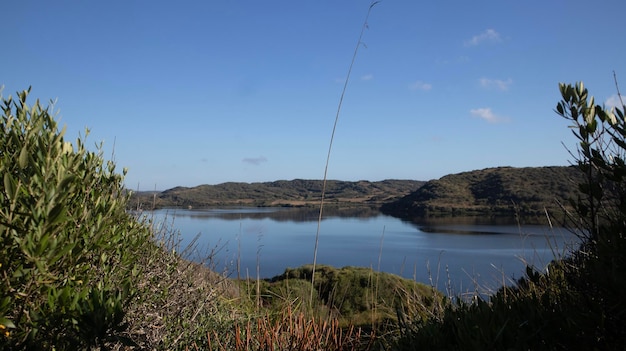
(529, 219)
(465, 220)
(281, 214)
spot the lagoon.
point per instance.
(455, 255)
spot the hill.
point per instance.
(501, 191)
(356, 295)
(297, 192)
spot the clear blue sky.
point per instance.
(205, 92)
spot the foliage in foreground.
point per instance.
(577, 302)
(77, 271)
(67, 247)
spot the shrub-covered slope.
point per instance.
(357, 295)
(491, 191)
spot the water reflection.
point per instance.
(428, 250)
(291, 214)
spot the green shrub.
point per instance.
(601, 213)
(67, 246)
(357, 296)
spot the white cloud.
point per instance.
(495, 83)
(489, 35)
(486, 114)
(614, 102)
(254, 160)
(367, 77)
(419, 85)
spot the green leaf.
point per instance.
(591, 126)
(6, 322)
(559, 109)
(9, 186)
(43, 244)
(64, 251)
(55, 213)
(22, 161)
(68, 179)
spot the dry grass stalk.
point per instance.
(330, 145)
(290, 331)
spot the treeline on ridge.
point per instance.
(297, 192)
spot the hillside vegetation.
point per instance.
(356, 296)
(501, 191)
(297, 192)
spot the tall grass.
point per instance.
(288, 331)
(332, 137)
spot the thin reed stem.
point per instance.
(330, 146)
(239, 248)
(380, 255)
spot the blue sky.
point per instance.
(204, 92)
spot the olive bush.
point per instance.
(600, 211)
(67, 246)
(601, 156)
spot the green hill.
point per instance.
(356, 295)
(297, 192)
(501, 191)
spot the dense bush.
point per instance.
(67, 246)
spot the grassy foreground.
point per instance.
(186, 305)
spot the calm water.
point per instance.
(445, 253)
